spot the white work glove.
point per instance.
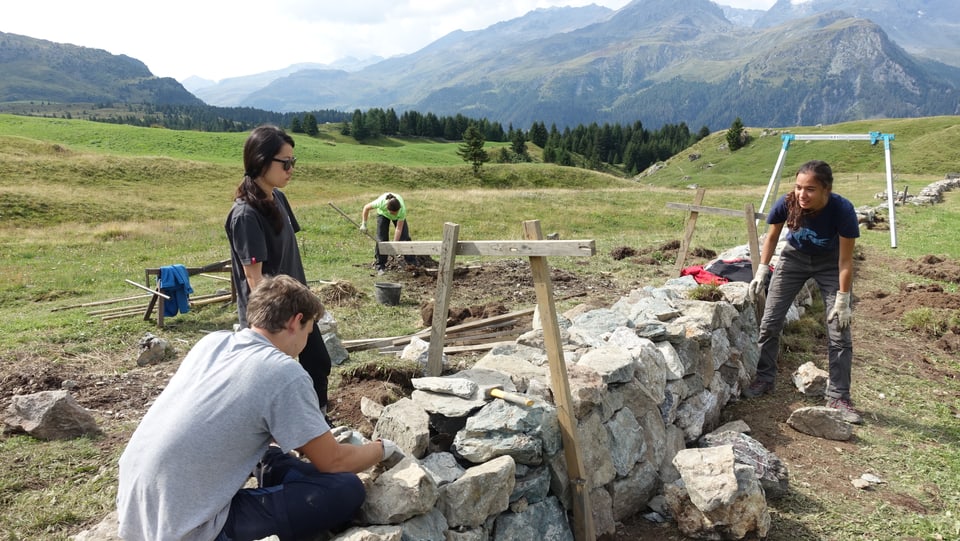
(347, 435)
(389, 449)
(363, 227)
(841, 310)
(759, 284)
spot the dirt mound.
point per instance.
(936, 268)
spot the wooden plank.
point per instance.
(362, 344)
(469, 325)
(100, 303)
(448, 255)
(525, 248)
(583, 528)
(478, 347)
(688, 232)
(485, 337)
(713, 210)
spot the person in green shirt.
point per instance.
(390, 208)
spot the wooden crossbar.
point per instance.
(524, 248)
(696, 208)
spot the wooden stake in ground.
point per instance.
(688, 232)
(448, 253)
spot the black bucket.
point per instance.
(387, 293)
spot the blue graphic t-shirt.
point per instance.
(821, 233)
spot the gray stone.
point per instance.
(626, 435)
(770, 470)
(674, 365)
(443, 467)
(49, 415)
(399, 494)
(153, 350)
(708, 476)
(693, 412)
(543, 521)
(431, 526)
(600, 321)
(370, 533)
(447, 405)
(821, 422)
(467, 534)
(613, 363)
(595, 448)
(370, 409)
(457, 386)
(502, 428)
(631, 493)
(602, 505)
(105, 530)
(338, 353)
(481, 492)
(810, 380)
(747, 514)
(406, 424)
(533, 485)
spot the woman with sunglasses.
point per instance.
(261, 229)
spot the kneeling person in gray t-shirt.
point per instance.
(183, 471)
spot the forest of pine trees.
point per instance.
(630, 149)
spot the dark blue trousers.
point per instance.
(294, 501)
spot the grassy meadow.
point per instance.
(85, 206)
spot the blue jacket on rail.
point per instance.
(175, 283)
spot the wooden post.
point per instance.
(753, 240)
(582, 511)
(688, 233)
(441, 303)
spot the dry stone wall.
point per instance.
(648, 377)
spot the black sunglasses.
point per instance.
(288, 163)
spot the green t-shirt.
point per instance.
(380, 204)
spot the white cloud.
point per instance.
(216, 39)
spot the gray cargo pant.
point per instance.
(791, 273)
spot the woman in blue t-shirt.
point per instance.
(822, 229)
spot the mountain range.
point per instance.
(657, 61)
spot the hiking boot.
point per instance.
(380, 272)
(757, 388)
(847, 412)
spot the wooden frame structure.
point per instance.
(696, 208)
(537, 250)
(159, 298)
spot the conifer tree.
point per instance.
(735, 139)
(471, 150)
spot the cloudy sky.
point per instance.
(216, 39)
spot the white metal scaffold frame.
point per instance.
(774, 184)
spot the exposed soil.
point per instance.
(878, 334)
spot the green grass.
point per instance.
(86, 206)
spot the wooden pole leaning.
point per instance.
(584, 529)
(753, 240)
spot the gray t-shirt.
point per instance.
(252, 239)
(199, 441)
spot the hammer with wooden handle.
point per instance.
(516, 398)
